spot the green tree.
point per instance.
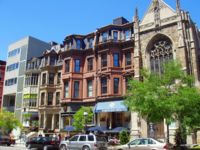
(8, 121)
(170, 95)
(80, 120)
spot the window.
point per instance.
(91, 43)
(59, 78)
(127, 35)
(116, 85)
(89, 88)
(74, 138)
(52, 60)
(160, 52)
(12, 67)
(44, 78)
(103, 60)
(90, 138)
(90, 64)
(78, 44)
(115, 35)
(57, 98)
(10, 82)
(104, 37)
(103, 85)
(66, 94)
(67, 65)
(51, 78)
(77, 65)
(128, 59)
(76, 89)
(82, 138)
(14, 52)
(116, 59)
(50, 98)
(42, 98)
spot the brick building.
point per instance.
(2, 74)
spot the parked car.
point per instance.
(5, 140)
(84, 142)
(142, 144)
(42, 143)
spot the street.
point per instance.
(15, 147)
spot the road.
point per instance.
(15, 147)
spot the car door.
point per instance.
(81, 142)
(139, 144)
(73, 142)
(133, 145)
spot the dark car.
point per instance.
(5, 140)
(41, 143)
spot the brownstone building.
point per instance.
(95, 72)
(2, 74)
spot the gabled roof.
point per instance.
(165, 12)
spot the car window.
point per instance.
(90, 138)
(74, 138)
(150, 141)
(82, 138)
(135, 142)
(143, 142)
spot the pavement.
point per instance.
(13, 147)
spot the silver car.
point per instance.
(142, 144)
(84, 142)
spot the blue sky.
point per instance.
(52, 20)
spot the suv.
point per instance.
(84, 142)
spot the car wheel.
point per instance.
(86, 148)
(63, 147)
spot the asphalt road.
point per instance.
(15, 147)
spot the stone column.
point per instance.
(135, 129)
(53, 122)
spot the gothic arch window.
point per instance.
(160, 52)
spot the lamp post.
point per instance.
(85, 114)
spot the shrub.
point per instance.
(124, 137)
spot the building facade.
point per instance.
(18, 54)
(2, 73)
(50, 90)
(96, 68)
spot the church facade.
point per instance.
(163, 34)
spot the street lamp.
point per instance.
(85, 114)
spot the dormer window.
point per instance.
(104, 37)
(78, 44)
(91, 43)
(127, 34)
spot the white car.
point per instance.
(142, 144)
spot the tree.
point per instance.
(80, 121)
(169, 95)
(8, 121)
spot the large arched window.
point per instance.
(160, 52)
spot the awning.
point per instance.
(114, 106)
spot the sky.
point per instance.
(53, 20)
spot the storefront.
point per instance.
(112, 114)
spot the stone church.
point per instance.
(162, 34)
